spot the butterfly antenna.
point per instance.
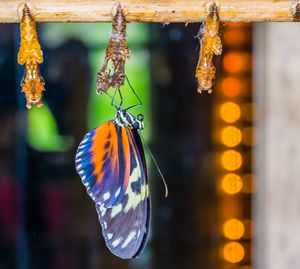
(157, 167)
(140, 101)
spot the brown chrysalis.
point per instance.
(117, 52)
(210, 45)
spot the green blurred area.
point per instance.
(42, 130)
(93, 34)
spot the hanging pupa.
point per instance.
(30, 55)
(117, 52)
(210, 45)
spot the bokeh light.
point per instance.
(231, 87)
(235, 37)
(232, 183)
(235, 136)
(230, 207)
(231, 136)
(233, 252)
(230, 112)
(235, 62)
(233, 229)
(231, 160)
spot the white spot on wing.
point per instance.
(79, 166)
(106, 196)
(78, 153)
(103, 211)
(116, 210)
(104, 224)
(81, 146)
(117, 192)
(116, 242)
(128, 239)
(109, 236)
(84, 140)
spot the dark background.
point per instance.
(47, 219)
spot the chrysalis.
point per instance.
(210, 44)
(117, 52)
(30, 55)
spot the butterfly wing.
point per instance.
(126, 226)
(140, 148)
(103, 162)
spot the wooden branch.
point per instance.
(151, 10)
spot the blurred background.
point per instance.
(203, 144)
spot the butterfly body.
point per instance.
(111, 162)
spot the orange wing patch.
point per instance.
(111, 160)
(126, 149)
(105, 146)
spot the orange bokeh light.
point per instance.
(233, 229)
(235, 62)
(232, 183)
(233, 252)
(231, 136)
(231, 87)
(230, 112)
(231, 160)
(235, 37)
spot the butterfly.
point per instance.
(111, 163)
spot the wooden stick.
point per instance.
(151, 10)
